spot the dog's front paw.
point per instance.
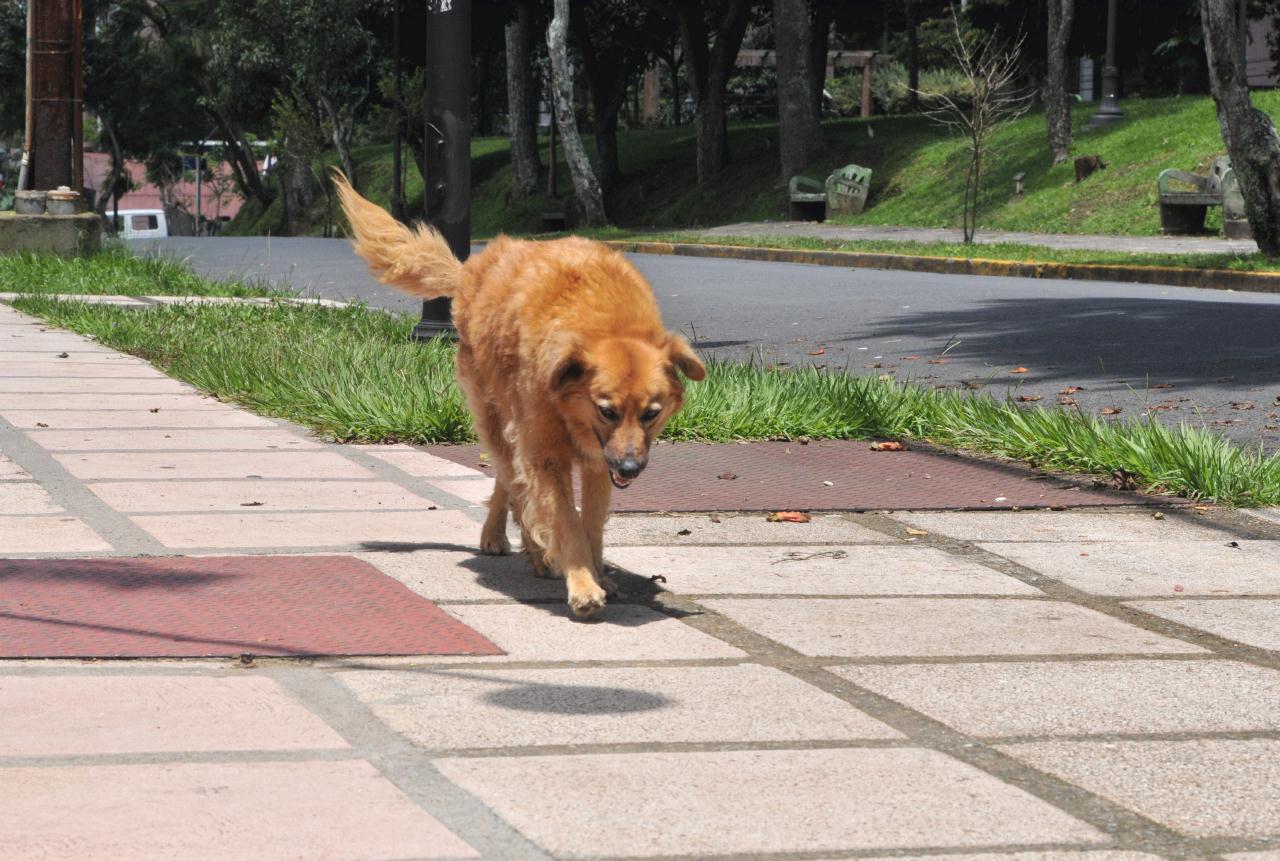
(587, 601)
(495, 545)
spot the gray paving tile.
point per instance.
(1204, 788)
(1271, 515)
(456, 575)
(1084, 697)
(1157, 568)
(623, 632)
(882, 627)
(759, 801)
(806, 570)
(454, 709)
(681, 529)
(1060, 525)
(1252, 622)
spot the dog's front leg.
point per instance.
(551, 518)
(596, 490)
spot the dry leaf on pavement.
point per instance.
(1111, 411)
(1018, 370)
(888, 446)
(1070, 390)
(1242, 405)
(788, 517)
(911, 530)
(818, 352)
(1030, 398)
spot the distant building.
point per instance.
(178, 201)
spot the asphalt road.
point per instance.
(1200, 356)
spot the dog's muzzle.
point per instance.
(623, 472)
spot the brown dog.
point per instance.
(564, 361)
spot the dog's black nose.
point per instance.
(629, 468)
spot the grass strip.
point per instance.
(352, 374)
(113, 272)
(1012, 251)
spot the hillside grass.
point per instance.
(918, 171)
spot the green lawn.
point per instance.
(353, 375)
(918, 173)
(112, 272)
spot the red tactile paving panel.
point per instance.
(226, 605)
(773, 476)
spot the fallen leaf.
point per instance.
(1163, 386)
(1110, 411)
(1065, 401)
(68, 355)
(888, 446)
(1242, 405)
(1070, 390)
(911, 530)
(726, 476)
(818, 352)
(41, 425)
(908, 358)
(250, 504)
(1018, 370)
(1030, 398)
(1202, 508)
(1159, 515)
(873, 365)
(155, 409)
(938, 361)
(685, 532)
(788, 517)
(1124, 479)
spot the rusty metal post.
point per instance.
(447, 192)
(53, 58)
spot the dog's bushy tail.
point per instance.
(417, 261)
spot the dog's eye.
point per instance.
(650, 414)
(608, 412)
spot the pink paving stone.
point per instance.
(83, 715)
(48, 534)
(247, 439)
(474, 490)
(163, 418)
(25, 497)
(10, 471)
(192, 401)
(363, 531)
(260, 811)
(212, 464)
(166, 606)
(262, 496)
(80, 370)
(759, 801)
(423, 465)
(11, 383)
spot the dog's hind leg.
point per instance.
(596, 489)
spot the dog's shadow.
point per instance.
(512, 576)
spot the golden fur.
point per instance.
(564, 362)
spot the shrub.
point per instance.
(890, 92)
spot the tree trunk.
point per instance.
(340, 132)
(1057, 107)
(709, 70)
(799, 129)
(823, 14)
(913, 56)
(586, 187)
(607, 82)
(1249, 134)
(522, 116)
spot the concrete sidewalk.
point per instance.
(1060, 241)
(1088, 685)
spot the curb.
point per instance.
(1203, 279)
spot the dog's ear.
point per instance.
(563, 362)
(685, 360)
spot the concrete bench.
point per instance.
(1182, 209)
(844, 193)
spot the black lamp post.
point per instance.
(447, 196)
(1109, 111)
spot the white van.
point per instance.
(140, 224)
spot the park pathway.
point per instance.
(1100, 683)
